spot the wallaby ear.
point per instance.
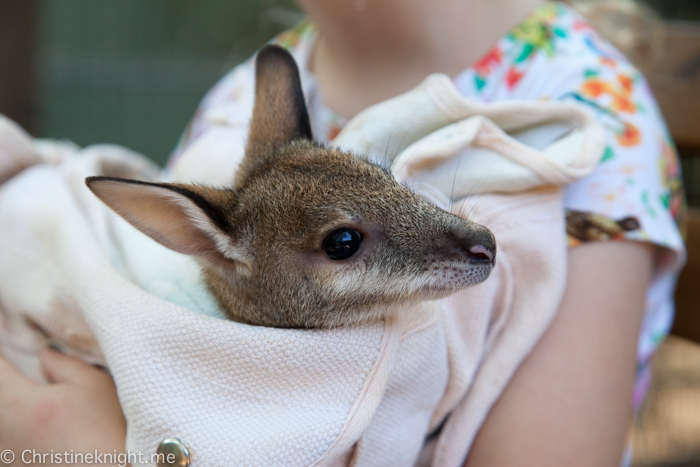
(185, 218)
(279, 114)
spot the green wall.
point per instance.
(677, 9)
(132, 71)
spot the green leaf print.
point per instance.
(480, 82)
(608, 154)
(527, 50)
(647, 204)
(593, 104)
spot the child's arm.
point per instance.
(570, 401)
(79, 411)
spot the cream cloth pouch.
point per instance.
(74, 274)
(502, 165)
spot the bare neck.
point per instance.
(370, 50)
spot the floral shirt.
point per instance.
(554, 54)
(636, 192)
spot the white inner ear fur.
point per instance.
(223, 244)
(171, 219)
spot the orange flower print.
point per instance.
(581, 25)
(513, 77)
(333, 132)
(630, 136)
(626, 82)
(620, 92)
(595, 87)
(623, 104)
(492, 57)
(608, 62)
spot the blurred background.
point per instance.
(124, 71)
(131, 72)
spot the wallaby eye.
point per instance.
(342, 243)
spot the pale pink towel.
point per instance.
(244, 395)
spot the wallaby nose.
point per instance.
(479, 246)
(479, 254)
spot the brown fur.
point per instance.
(260, 242)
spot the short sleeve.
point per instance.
(639, 175)
(636, 191)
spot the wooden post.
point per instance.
(17, 60)
(687, 323)
(676, 82)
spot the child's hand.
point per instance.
(77, 411)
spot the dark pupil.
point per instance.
(342, 244)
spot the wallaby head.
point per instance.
(307, 236)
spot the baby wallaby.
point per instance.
(307, 236)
